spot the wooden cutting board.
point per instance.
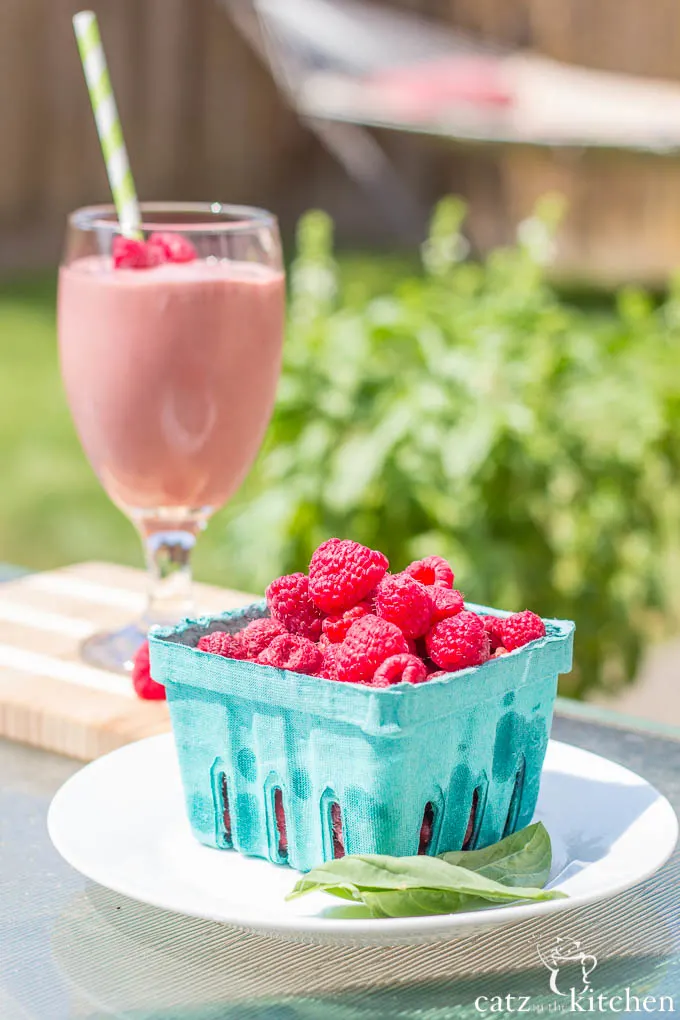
(48, 696)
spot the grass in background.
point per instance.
(52, 509)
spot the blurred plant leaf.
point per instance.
(472, 412)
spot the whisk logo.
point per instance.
(561, 955)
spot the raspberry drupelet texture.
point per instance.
(494, 625)
(220, 643)
(342, 573)
(458, 642)
(174, 247)
(433, 570)
(521, 628)
(398, 669)
(329, 665)
(445, 602)
(335, 628)
(291, 651)
(369, 642)
(258, 635)
(131, 253)
(289, 602)
(144, 686)
(402, 600)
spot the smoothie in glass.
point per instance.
(170, 341)
(171, 375)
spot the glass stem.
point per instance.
(168, 557)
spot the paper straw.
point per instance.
(108, 123)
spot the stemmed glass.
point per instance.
(170, 373)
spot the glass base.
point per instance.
(114, 650)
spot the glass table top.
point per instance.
(70, 949)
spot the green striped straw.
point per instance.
(106, 117)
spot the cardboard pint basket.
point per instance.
(258, 744)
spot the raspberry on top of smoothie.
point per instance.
(161, 247)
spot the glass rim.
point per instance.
(245, 217)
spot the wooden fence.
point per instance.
(203, 118)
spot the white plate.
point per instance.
(120, 821)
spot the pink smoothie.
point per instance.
(171, 374)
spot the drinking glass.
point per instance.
(170, 374)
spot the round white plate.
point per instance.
(120, 821)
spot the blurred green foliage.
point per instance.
(473, 413)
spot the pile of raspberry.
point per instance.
(350, 620)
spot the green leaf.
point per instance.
(524, 858)
(419, 902)
(409, 886)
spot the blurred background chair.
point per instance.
(354, 71)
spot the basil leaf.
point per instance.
(513, 869)
(418, 902)
(521, 859)
(404, 886)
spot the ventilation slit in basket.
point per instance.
(471, 831)
(226, 817)
(426, 828)
(336, 830)
(280, 817)
(515, 801)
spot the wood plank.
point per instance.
(51, 699)
(22, 110)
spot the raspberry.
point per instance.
(130, 253)
(338, 837)
(458, 642)
(155, 256)
(173, 247)
(280, 815)
(258, 635)
(493, 625)
(219, 642)
(289, 603)
(433, 570)
(439, 672)
(290, 651)
(412, 647)
(426, 829)
(398, 669)
(329, 666)
(445, 602)
(406, 602)
(144, 686)
(335, 627)
(369, 642)
(521, 628)
(342, 573)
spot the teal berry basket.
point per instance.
(462, 752)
